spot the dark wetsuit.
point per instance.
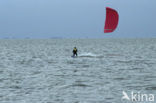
(74, 52)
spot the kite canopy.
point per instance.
(111, 21)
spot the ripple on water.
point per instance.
(124, 61)
(70, 62)
(136, 68)
(135, 87)
(1, 80)
(85, 66)
(120, 78)
(80, 85)
(15, 87)
(151, 88)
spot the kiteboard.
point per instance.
(74, 56)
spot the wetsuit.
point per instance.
(74, 52)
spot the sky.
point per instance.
(75, 18)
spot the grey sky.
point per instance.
(75, 18)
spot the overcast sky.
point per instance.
(75, 18)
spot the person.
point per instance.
(75, 51)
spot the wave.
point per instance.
(89, 55)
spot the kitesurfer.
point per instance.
(75, 51)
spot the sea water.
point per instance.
(42, 70)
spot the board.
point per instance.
(74, 56)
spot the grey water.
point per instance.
(43, 71)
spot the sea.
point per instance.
(43, 71)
